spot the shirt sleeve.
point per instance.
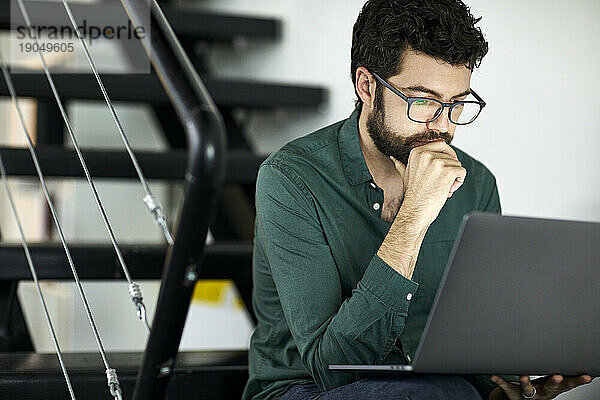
(492, 204)
(326, 328)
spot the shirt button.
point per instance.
(373, 185)
(376, 206)
(409, 296)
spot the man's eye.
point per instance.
(422, 102)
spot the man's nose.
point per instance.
(442, 123)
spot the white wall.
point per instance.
(541, 148)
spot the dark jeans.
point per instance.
(426, 387)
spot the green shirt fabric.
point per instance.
(321, 294)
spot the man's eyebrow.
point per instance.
(423, 89)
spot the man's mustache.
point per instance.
(428, 136)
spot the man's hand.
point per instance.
(544, 388)
(432, 175)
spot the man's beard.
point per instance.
(391, 144)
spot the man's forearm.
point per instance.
(401, 246)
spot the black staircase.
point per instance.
(207, 375)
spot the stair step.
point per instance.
(191, 24)
(146, 88)
(221, 261)
(188, 23)
(242, 166)
(198, 375)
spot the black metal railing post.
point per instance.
(206, 139)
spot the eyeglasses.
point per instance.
(424, 110)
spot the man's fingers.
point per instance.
(526, 386)
(436, 154)
(505, 386)
(397, 163)
(439, 146)
(549, 387)
(554, 384)
(574, 381)
(460, 174)
(402, 169)
(399, 166)
(456, 185)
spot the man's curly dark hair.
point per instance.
(444, 29)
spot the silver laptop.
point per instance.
(520, 296)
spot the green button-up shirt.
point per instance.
(321, 294)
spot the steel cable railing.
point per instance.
(153, 206)
(33, 270)
(112, 379)
(134, 289)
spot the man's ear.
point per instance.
(364, 83)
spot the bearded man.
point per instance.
(355, 222)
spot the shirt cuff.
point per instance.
(392, 289)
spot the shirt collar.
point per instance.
(353, 162)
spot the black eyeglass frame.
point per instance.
(411, 100)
